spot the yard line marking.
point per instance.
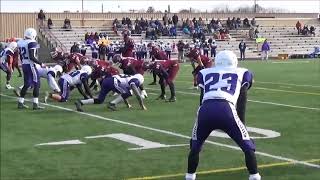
(290, 62)
(170, 133)
(261, 102)
(281, 90)
(214, 171)
(288, 84)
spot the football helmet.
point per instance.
(13, 46)
(87, 69)
(30, 33)
(58, 69)
(116, 58)
(139, 77)
(226, 58)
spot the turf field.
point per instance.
(285, 99)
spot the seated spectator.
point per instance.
(83, 50)
(299, 27)
(67, 24)
(173, 31)
(312, 30)
(50, 24)
(186, 30)
(233, 23)
(253, 22)
(123, 21)
(75, 48)
(86, 36)
(238, 23)
(305, 30)
(96, 36)
(246, 22)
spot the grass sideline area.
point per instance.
(285, 98)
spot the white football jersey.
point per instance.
(44, 71)
(124, 81)
(223, 82)
(75, 77)
(24, 46)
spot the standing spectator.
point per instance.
(213, 47)
(75, 48)
(86, 37)
(206, 47)
(251, 33)
(256, 33)
(94, 50)
(83, 50)
(41, 17)
(168, 50)
(299, 27)
(110, 51)
(102, 51)
(265, 50)
(50, 24)
(180, 46)
(253, 22)
(175, 19)
(165, 19)
(242, 48)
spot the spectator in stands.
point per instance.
(246, 23)
(256, 33)
(242, 48)
(305, 30)
(41, 17)
(123, 21)
(165, 19)
(102, 51)
(253, 22)
(265, 50)
(299, 27)
(173, 31)
(86, 37)
(312, 30)
(75, 48)
(50, 24)
(96, 36)
(175, 19)
(251, 33)
(233, 23)
(238, 23)
(83, 50)
(170, 21)
(180, 46)
(67, 24)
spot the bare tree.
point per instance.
(151, 9)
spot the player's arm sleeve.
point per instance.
(135, 90)
(32, 46)
(84, 80)
(201, 85)
(79, 87)
(242, 100)
(52, 82)
(164, 73)
(199, 61)
(10, 61)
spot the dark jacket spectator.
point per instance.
(312, 30)
(67, 24)
(175, 19)
(86, 36)
(242, 48)
(299, 27)
(75, 48)
(229, 23)
(246, 22)
(165, 19)
(102, 51)
(41, 17)
(50, 24)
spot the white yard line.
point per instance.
(261, 102)
(172, 133)
(287, 84)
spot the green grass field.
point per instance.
(285, 98)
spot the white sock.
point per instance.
(87, 101)
(190, 176)
(117, 100)
(255, 177)
(36, 100)
(21, 100)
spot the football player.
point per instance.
(121, 84)
(202, 61)
(29, 57)
(221, 87)
(7, 56)
(68, 81)
(128, 48)
(166, 71)
(156, 54)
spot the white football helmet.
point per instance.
(139, 77)
(13, 46)
(87, 69)
(58, 69)
(226, 58)
(30, 33)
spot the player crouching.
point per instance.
(121, 84)
(68, 81)
(7, 57)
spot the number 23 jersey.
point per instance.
(224, 82)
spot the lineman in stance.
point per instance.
(221, 87)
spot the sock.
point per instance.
(255, 176)
(21, 100)
(117, 100)
(36, 100)
(190, 176)
(251, 162)
(87, 101)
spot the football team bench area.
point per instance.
(60, 143)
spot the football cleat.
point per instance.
(112, 107)
(16, 92)
(8, 86)
(36, 106)
(46, 96)
(161, 97)
(172, 99)
(78, 106)
(22, 106)
(153, 83)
